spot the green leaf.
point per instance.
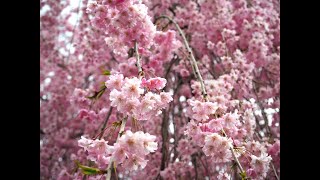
(101, 93)
(115, 169)
(243, 175)
(106, 72)
(233, 166)
(98, 94)
(88, 170)
(93, 96)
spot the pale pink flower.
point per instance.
(222, 155)
(223, 175)
(217, 147)
(192, 128)
(154, 83)
(98, 146)
(149, 101)
(119, 153)
(148, 141)
(231, 121)
(84, 142)
(202, 110)
(209, 149)
(131, 105)
(213, 139)
(131, 87)
(196, 105)
(261, 164)
(184, 72)
(115, 82)
(210, 107)
(251, 173)
(131, 142)
(146, 105)
(166, 98)
(215, 124)
(201, 114)
(88, 115)
(135, 162)
(117, 99)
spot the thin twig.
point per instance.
(124, 120)
(205, 167)
(173, 60)
(199, 77)
(234, 155)
(164, 134)
(275, 171)
(194, 162)
(105, 122)
(138, 60)
(193, 61)
(123, 124)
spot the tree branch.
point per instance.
(105, 122)
(194, 162)
(199, 77)
(140, 71)
(234, 155)
(164, 133)
(193, 61)
(274, 170)
(123, 124)
(124, 120)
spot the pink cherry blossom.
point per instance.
(175, 103)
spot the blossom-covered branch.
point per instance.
(195, 95)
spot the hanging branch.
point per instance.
(123, 124)
(140, 71)
(124, 120)
(103, 128)
(193, 60)
(234, 156)
(203, 90)
(275, 171)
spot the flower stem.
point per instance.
(124, 120)
(192, 60)
(234, 155)
(275, 171)
(105, 123)
(123, 124)
(199, 77)
(140, 71)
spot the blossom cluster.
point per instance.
(124, 22)
(140, 99)
(131, 98)
(236, 45)
(130, 150)
(218, 148)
